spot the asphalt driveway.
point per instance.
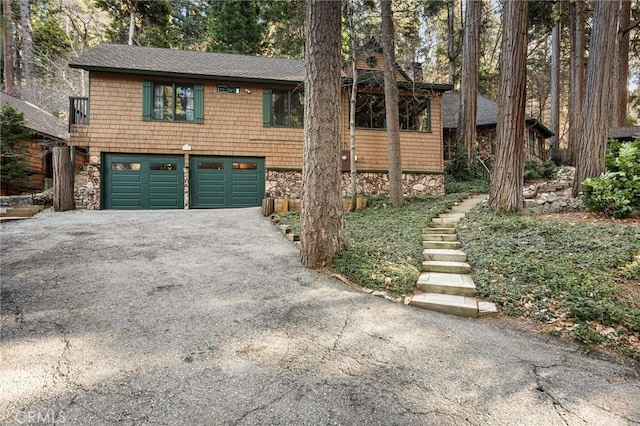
(206, 317)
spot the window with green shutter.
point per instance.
(283, 108)
(164, 101)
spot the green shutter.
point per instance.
(147, 100)
(266, 107)
(198, 103)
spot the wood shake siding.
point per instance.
(233, 126)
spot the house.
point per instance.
(48, 131)
(624, 133)
(534, 147)
(187, 129)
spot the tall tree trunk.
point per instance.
(506, 180)
(555, 87)
(8, 49)
(451, 38)
(62, 179)
(27, 43)
(322, 225)
(391, 105)
(352, 138)
(622, 67)
(469, 80)
(596, 113)
(577, 41)
(132, 22)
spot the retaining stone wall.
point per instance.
(288, 184)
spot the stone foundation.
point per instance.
(288, 184)
(87, 187)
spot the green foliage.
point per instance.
(236, 27)
(383, 249)
(459, 167)
(617, 192)
(475, 185)
(561, 273)
(534, 170)
(153, 21)
(13, 167)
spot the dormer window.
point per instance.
(372, 61)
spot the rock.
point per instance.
(555, 207)
(419, 187)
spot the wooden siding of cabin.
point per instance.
(233, 125)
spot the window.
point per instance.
(532, 143)
(165, 167)
(414, 112)
(172, 102)
(126, 167)
(541, 150)
(283, 108)
(229, 89)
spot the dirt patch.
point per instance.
(587, 217)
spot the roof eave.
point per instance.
(184, 75)
(405, 85)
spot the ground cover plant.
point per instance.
(383, 247)
(577, 279)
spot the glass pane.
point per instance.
(126, 166)
(210, 165)
(378, 117)
(363, 110)
(245, 166)
(168, 167)
(280, 108)
(184, 103)
(297, 109)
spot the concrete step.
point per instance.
(439, 237)
(458, 215)
(450, 255)
(452, 245)
(450, 304)
(438, 282)
(438, 230)
(446, 267)
(21, 211)
(442, 224)
(446, 221)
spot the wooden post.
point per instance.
(63, 199)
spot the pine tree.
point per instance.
(13, 168)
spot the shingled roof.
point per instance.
(37, 119)
(487, 114)
(189, 63)
(625, 132)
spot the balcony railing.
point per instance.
(78, 111)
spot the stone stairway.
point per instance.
(446, 284)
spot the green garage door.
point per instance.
(143, 181)
(226, 181)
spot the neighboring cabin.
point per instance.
(625, 133)
(534, 147)
(48, 131)
(185, 129)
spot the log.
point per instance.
(63, 198)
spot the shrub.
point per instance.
(617, 192)
(534, 170)
(14, 168)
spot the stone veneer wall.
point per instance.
(288, 184)
(87, 187)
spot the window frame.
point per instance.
(404, 114)
(149, 98)
(268, 110)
